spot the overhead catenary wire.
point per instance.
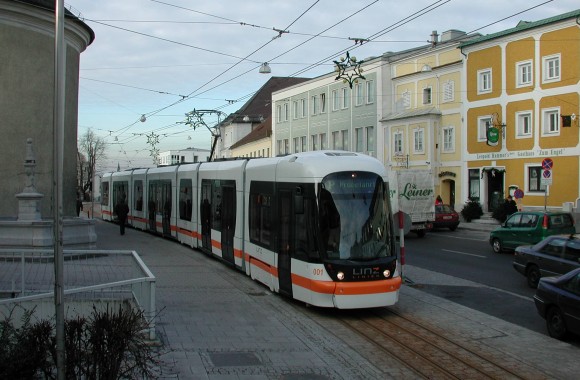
(378, 34)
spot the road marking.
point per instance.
(464, 253)
(454, 236)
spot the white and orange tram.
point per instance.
(315, 226)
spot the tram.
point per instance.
(314, 226)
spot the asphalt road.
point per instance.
(502, 292)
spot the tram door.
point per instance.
(205, 215)
(286, 246)
(167, 202)
(228, 214)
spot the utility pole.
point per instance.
(58, 165)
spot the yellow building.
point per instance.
(424, 130)
(520, 108)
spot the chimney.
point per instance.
(434, 38)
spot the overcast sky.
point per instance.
(165, 58)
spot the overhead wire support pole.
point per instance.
(195, 120)
(58, 165)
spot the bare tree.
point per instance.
(91, 150)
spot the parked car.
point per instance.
(553, 256)
(530, 227)
(558, 302)
(446, 217)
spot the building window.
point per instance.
(524, 124)
(551, 119)
(279, 113)
(427, 95)
(551, 68)
(524, 73)
(448, 91)
(295, 110)
(418, 135)
(285, 111)
(406, 96)
(335, 101)
(484, 81)
(303, 143)
(358, 135)
(323, 144)
(370, 140)
(344, 94)
(448, 139)
(336, 140)
(534, 180)
(358, 93)
(322, 103)
(345, 144)
(315, 104)
(483, 123)
(370, 91)
(303, 107)
(398, 143)
(314, 142)
(474, 179)
(296, 144)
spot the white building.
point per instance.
(181, 156)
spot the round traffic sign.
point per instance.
(547, 173)
(518, 194)
(547, 163)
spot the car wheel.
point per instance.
(453, 228)
(497, 246)
(555, 323)
(533, 275)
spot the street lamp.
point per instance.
(265, 68)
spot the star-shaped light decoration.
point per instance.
(152, 139)
(349, 63)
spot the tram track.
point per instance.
(431, 352)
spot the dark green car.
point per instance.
(530, 227)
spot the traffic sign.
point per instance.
(547, 164)
(546, 177)
(518, 194)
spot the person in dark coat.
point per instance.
(122, 210)
(79, 206)
(510, 206)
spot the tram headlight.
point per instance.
(340, 275)
(387, 273)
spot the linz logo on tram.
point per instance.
(366, 273)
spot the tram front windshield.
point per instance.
(354, 216)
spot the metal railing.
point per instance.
(27, 277)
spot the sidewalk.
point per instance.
(216, 323)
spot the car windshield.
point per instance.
(443, 209)
(354, 216)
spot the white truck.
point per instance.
(412, 191)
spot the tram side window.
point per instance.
(120, 192)
(185, 186)
(216, 207)
(260, 218)
(305, 232)
(138, 190)
(105, 193)
(152, 202)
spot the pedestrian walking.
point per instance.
(122, 210)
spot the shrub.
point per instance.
(471, 210)
(499, 214)
(106, 345)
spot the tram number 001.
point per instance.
(317, 271)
